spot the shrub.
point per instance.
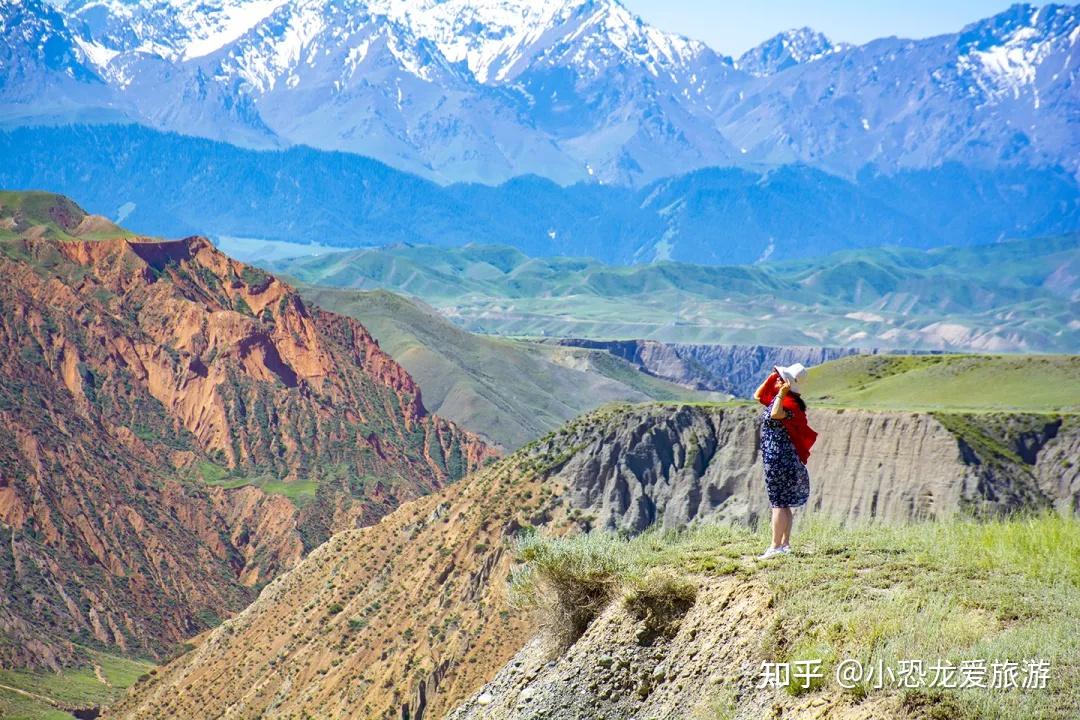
(660, 599)
(569, 581)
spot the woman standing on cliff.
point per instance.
(786, 439)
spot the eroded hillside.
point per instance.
(132, 371)
(405, 618)
(861, 622)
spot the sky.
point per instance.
(734, 27)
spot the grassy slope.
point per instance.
(509, 390)
(1017, 383)
(300, 492)
(35, 211)
(954, 591)
(1013, 295)
(71, 688)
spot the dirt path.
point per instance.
(101, 676)
(33, 696)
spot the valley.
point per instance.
(498, 387)
(1016, 296)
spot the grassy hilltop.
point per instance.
(950, 383)
(951, 591)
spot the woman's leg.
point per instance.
(788, 520)
(778, 529)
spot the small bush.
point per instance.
(569, 581)
(660, 599)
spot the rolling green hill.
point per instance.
(50, 216)
(1014, 383)
(509, 390)
(1012, 296)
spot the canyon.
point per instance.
(732, 369)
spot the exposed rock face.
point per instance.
(128, 370)
(406, 618)
(654, 464)
(610, 673)
(732, 369)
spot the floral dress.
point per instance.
(786, 478)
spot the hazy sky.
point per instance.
(734, 27)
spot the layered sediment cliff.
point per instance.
(673, 465)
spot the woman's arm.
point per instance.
(777, 411)
(763, 385)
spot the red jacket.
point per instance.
(801, 434)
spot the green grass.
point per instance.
(38, 210)
(78, 687)
(956, 590)
(299, 492)
(17, 707)
(955, 383)
(1011, 293)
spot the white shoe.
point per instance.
(770, 552)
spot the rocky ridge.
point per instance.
(611, 673)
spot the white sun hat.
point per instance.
(793, 374)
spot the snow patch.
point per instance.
(767, 252)
(98, 54)
(231, 21)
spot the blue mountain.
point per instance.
(172, 185)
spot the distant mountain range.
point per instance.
(572, 90)
(169, 185)
(1009, 296)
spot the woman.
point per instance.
(786, 440)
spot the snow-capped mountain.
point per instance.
(45, 74)
(568, 89)
(171, 29)
(38, 49)
(1003, 90)
(345, 77)
(787, 49)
